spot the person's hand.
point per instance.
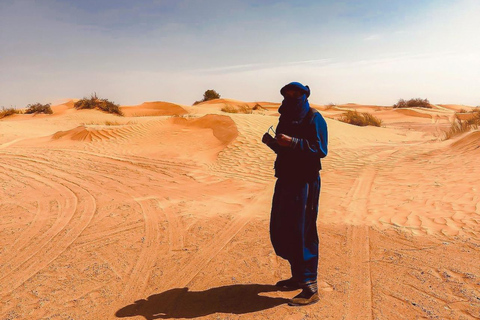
(283, 140)
(267, 138)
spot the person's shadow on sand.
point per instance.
(181, 303)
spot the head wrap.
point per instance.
(294, 109)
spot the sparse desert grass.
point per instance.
(237, 109)
(413, 103)
(113, 123)
(39, 108)
(138, 115)
(330, 106)
(459, 126)
(107, 123)
(186, 115)
(258, 107)
(96, 103)
(8, 112)
(360, 119)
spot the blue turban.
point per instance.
(294, 109)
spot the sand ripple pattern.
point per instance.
(247, 158)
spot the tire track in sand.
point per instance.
(72, 221)
(68, 205)
(223, 237)
(358, 243)
(140, 274)
(138, 277)
(152, 211)
(39, 221)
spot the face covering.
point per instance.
(294, 109)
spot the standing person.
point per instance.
(300, 142)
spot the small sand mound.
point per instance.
(224, 128)
(217, 101)
(84, 134)
(465, 116)
(469, 142)
(62, 108)
(255, 105)
(457, 107)
(413, 113)
(157, 108)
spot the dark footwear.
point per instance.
(288, 284)
(309, 295)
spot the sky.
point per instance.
(368, 52)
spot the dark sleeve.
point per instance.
(318, 144)
(274, 146)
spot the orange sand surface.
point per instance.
(164, 214)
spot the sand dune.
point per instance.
(414, 113)
(157, 108)
(62, 108)
(457, 107)
(223, 127)
(469, 142)
(82, 134)
(164, 214)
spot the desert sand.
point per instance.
(164, 214)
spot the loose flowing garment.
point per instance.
(293, 229)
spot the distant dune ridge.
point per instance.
(157, 108)
(223, 127)
(164, 212)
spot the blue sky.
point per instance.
(373, 51)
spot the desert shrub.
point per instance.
(330, 106)
(257, 106)
(360, 119)
(113, 123)
(96, 103)
(237, 109)
(39, 108)
(413, 103)
(185, 115)
(107, 123)
(459, 126)
(208, 95)
(229, 108)
(8, 112)
(462, 111)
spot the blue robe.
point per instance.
(293, 229)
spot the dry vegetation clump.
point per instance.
(237, 109)
(185, 116)
(413, 103)
(330, 106)
(107, 123)
(39, 108)
(208, 95)
(459, 126)
(360, 119)
(8, 112)
(257, 107)
(101, 104)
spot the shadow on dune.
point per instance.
(181, 303)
